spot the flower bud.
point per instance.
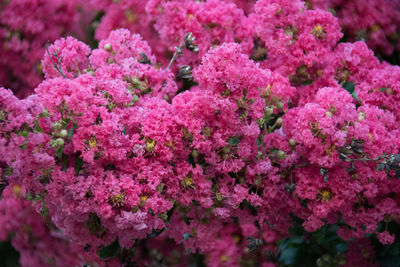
(226, 149)
(135, 98)
(279, 122)
(361, 115)
(59, 142)
(292, 142)
(266, 91)
(56, 125)
(341, 261)
(63, 133)
(195, 154)
(108, 47)
(268, 111)
(185, 72)
(261, 121)
(3, 115)
(281, 154)
(189, 39)
(326, 257)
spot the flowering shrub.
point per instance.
(228, 131)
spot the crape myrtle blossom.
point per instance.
(84, 119)
(276, 122)
(26, 27)
(35, 237)
(163, 24)
(377, 23)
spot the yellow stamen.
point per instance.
(131, 17)
(325, 194)
(169, 144)
(143, 200)
(150, 144)
(236, 238)
(330, 150)
(93, 142)
(187, 181)
(17, 190)
(375, 28)
(118, 199)
(318, 28)
(318, 32)
(224, 258)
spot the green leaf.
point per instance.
(60, 151)
(233, 141)
(37, 127)
(78, 165)
(350, 87)
(44, 211)
(25, 145)
(110, 250)
(24, 134)
(28, 196)
(290, 241)
(71, 130)
(64, 163)
(44, 114)
(186, 236)
(289, 256)
(9, 256)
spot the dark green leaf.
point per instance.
(60, 151)
(64, 163)
(233, 141)
(25, 145)
(37, 127)
(71, 130)
(110, 250)
(9, 256)
(44, 114)
(78, 165)
(289, 256)
(350, 87)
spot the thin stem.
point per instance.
(57, 66)
(173, 57)
(302, 165)
(366, 159)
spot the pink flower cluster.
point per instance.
(378, 23)
(25, 28)
(28, 26)
(208, 141)
(38, 241)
